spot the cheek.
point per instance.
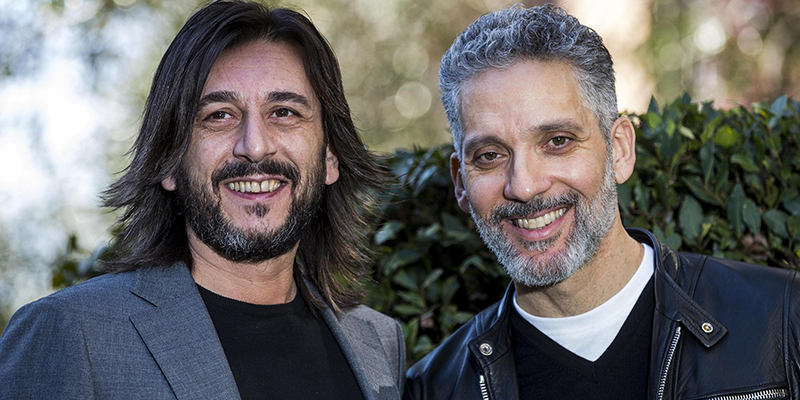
(485, 191)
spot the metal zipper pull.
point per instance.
(484, 389)
(760, 395)
(670, 353)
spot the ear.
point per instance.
(169, 183)
(623, 141)
(458, 181)
(332, 166)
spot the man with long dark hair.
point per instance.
(243, 235)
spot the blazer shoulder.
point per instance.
(390, 335)
(106, 286)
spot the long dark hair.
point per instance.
(333, 252)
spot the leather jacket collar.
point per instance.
(491, 347)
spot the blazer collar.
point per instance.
(180, 335)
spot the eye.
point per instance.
(488, 156)
(219, 115)
(284, 113)
(487, 159)
(559, 141)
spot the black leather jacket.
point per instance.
(721, 329)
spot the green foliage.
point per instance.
(77, 265)
(432, 272)
(719, 182)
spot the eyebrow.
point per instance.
(230, 97)
(557, 125)
(217, 97)
(289, 96)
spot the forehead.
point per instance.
(259, 66)
(524, 95)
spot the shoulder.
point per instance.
(388, 330)
(88, 295)
(367, 314)
(735, 275)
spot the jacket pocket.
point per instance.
(764, 394)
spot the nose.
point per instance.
(527, 178)
(255, 141)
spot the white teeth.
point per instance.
(268, 185)
(540, 222)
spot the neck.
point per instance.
(593, 284)
(268, 282)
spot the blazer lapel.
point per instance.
(180, 335)
(362, 348)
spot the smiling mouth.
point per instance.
(539, 222)
(265, 186)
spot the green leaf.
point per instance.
(641, 195)
(429, 233)
(652, 119)
(746, 163)
(477, 262)
(751, 216)
(735, 206)
(407, 310)
(449, 288)
(778, 106)
(405, 279)
(776, 221)
(412, 298)
(674, 241)
(686, 132)
(624, 197)
(793, 206)
(432, 277)
(726, 137)
(388, 231)
(701, 192)
(793, 226)
(690, 218)
(707, 160)
(653, 107)
(399, 258)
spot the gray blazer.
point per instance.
(147, 335)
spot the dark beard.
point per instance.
(203, 211)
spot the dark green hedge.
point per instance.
(709, 181)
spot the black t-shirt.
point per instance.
(546, 370)
(280, 351)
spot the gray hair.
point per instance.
(544, 33)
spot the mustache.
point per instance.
(243, 169)
(533, 206)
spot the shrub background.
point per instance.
(718, 182)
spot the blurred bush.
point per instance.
(725, 183)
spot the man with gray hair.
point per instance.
(594, 310)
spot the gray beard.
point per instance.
(593, 219)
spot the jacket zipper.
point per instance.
(670, 353)
(484, 389)
(761, 395)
